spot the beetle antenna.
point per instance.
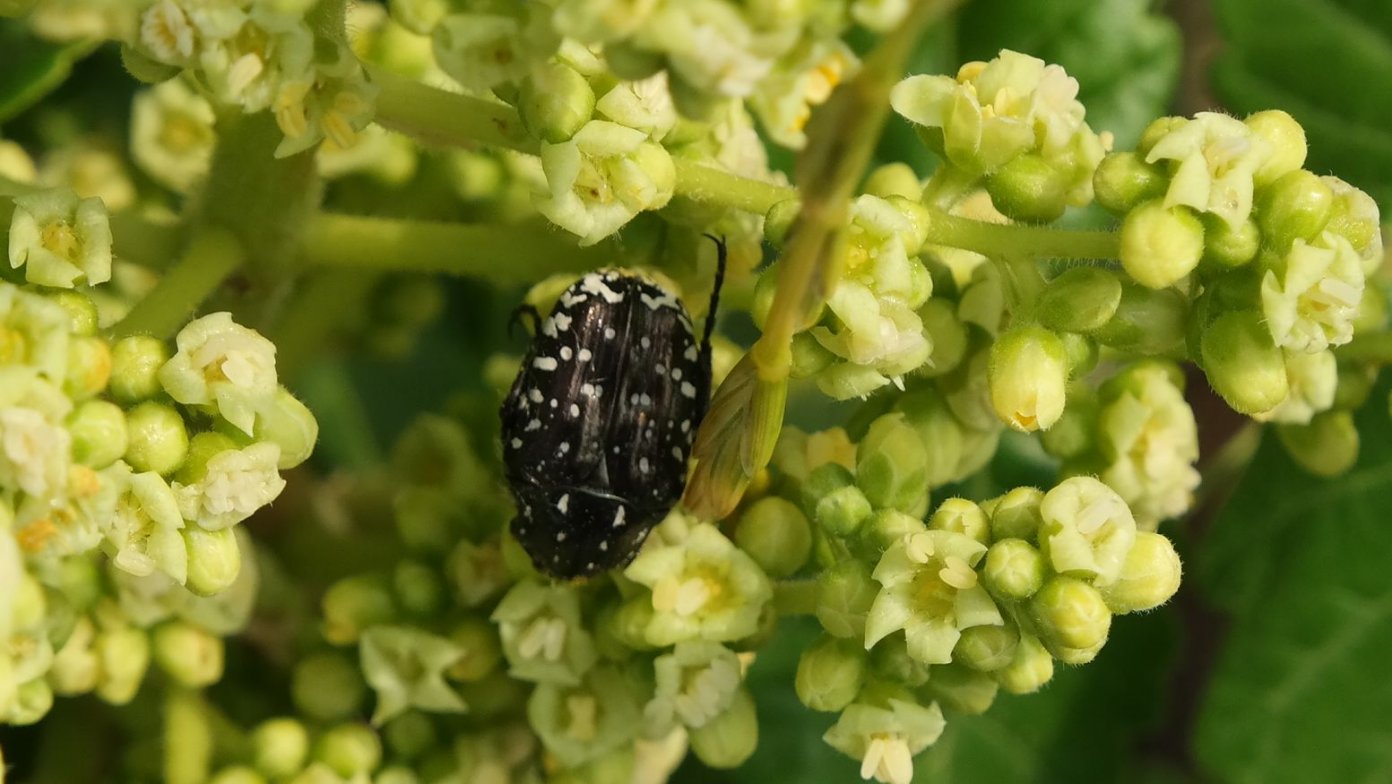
(516, 318)
(721, 253)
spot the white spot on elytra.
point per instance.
(663, 300)
(588, 390)
(516, 443)
(676, 374)
(686, 425)
(633, 399)
(574, 410)
(688, 390)
(564, 447)
(564, 503)
(544, 363)
(604, 546)
(691, 353)
(562, 321)
(676, 453)
(548, 327)
(560, 536)
(643, 465)
(645, 342)
(619, 518)
(535, 424)
(553, 402)
(595, 284)
(585, 355)
(566, 353)
(535, 396)
(609, 333)
(660, 369)
(645, 400)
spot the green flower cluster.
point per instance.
(125, 466)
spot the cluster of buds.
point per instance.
(125, 467)
(256, 56)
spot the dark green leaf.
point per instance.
(1300, 691)
(30, 67)
(1329, 64)
(1124, 56)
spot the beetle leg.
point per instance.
(516, 317)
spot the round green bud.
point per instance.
(327, 686)
(98, 430)
(156, 438)
(1147, 321)
(938, 431)
(1287, 140)
(214, 559)
(1082, 352)
(830, 673)
(555, 101)
(844, 595)
(1029, 189)
(892, 464)
(1031, 668)
(142, 67)
(886, 527)
(1354, 217)
(124, 656)
(963, 517)
(202, 448)
(1028, 377)
(1160, 245)
(1014, 570)
(778, 221)
(188, 653)
(1149, 577)
(729, 739)
(1355, 385)
(946, 333)
(1077, 656)
(765, 289)
(986, 648)
(1226, 247)
(1242, 362)
(1016, 514)
(418, 588)
(776, 534)
(962, 689)
(135, 364)
(1296, 206)
(350, 750)
(1069, 613)
(482, 650)
(81, 310)
(1327, 446)
(830, 497)
(354, 604)
(1124, 179)
(279, 747)
(32, 701)
(1072, 436)
(237, 774)
(1158, 129)
(89, 367)
(1081, 299)
(290, 425)
(894, 179)
(810, 357)
(410, 735)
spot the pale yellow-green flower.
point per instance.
(1311, 296)
(238, 482)
(1212, 160)
(223, 366)
(602, 177)
(59, 239)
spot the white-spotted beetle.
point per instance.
(598, 426)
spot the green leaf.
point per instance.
(30, 67)
(1299, 692)
(1124, 56)
(1329, 64)
(1084, 725)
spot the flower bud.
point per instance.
(1014, 570)
(1295, 207)
(1328, 446)
(830, 673)
(481, 649)
(81, 310)
(776, 535)
(135, 364)
(418, 588)
(1016, 515)
(894, 179)
(777, 223)
(1029, 189)
(729, 739)
(844, 595)
(290, 425)
(938, 431)
(962, 689)
(1081, 299)
(810, 357)
(986, 648)
(1160, 245)
(1070, 613)
(189, 654)
(886, 527)
(156, 438)
(961, 516)
(1355, 385)
(1149, 577)
(946, 334)
(833, 500)
(327, 686)
(1124, 179)
(350, 750)
(1028, 375)
(1029, 670)
(89, 367)
(1147, 321)
(1287, 144)
(1355, 217)
(555, 101)
(409, 736)
(1242, 362)
(98, 430)
(892, 465)
(124, 656)
(214, 559)
(33, 700)
(1226, 247)
(1157, 130)
(353, 605)
(279, 747)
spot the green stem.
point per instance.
(795, 597)
(512, 254)
(211, 257)
(709, 185)
(1017, 240)
(144, 241)
(947, 186)
(1375, 347)
(437, 117)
